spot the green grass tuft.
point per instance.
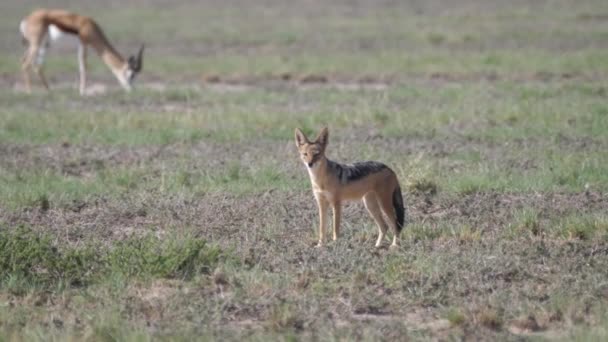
(31, 258)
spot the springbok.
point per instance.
(44, 25)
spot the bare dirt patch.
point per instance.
(246, 82)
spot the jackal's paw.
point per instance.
(319, 244)
(379, 241)
(335, 237)
(394, 246)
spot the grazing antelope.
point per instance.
(333, 183)
(44, 25)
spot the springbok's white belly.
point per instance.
(65, 39)
(55, 33)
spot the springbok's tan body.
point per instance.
(44, 25)
(333, 183)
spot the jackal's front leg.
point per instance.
(322, 203)
(337, 210)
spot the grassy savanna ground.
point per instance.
(181, 210)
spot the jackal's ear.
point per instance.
(301, 139)
(323, 136)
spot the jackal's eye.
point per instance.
(305, 154)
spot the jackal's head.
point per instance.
(311, 152)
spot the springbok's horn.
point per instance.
(136, 62)
(140, 58)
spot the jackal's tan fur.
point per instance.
(333, 183)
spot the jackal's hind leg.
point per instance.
(386, 202)
(371, 204)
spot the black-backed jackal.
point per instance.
(333, 183)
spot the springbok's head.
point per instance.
(134, 66)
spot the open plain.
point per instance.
(181, 211)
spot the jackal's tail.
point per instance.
(399, 208)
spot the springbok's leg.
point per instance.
(39, 61)
(82, 67)
(26, 65)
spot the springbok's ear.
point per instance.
(301, 138)
(322, 137)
